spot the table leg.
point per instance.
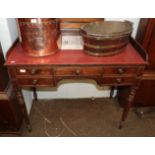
(35, 94)
(23, 109)
(128, 105)
(112, 91)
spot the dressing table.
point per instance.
(123, 69)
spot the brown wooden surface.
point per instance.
(124, 69)
(10, 115)
(142, 31)
(146, 37)
(79, 20)
(75, 23)
(129, 56)
(4, 78)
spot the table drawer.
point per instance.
(120, 70)
(119, 80)
(32, 82)
(78, 71)
(34, 71)
(94, 71)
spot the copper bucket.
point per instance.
(39, 36)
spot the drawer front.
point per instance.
(75, 71)
(120, 70)
(119, 80)
(34, 82)
(94, 71)
(78, 71)
(34, 71)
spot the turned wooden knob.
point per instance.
(34, 82)
(120, 71)
(119, 80)
(33, 71)
(78, 72)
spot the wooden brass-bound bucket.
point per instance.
(105, 38)
(39, 36)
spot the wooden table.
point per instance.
(124, 69)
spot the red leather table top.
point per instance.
(74, 57)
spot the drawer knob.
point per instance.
(120, 71)
(33, 71)
(119, 80)
(34, 82)
(78, 72)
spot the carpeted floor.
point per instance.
(85, 118)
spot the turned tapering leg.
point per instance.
(128, 105)
(112, 91)
(35, 94)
